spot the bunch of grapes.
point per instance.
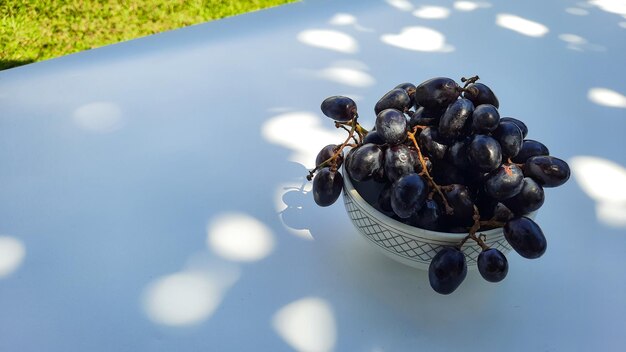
(441, 158)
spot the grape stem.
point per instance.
(480, 240)
(469, 81)
(411, 134)
(331, 161)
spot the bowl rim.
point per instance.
(408, 229)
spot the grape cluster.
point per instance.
(441, 158)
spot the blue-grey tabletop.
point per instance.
(153, 193)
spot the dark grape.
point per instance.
(391, 125)
(547, 170)
(459, 198)
(425, 117)
(408, 195)
(502, 213)
(510, 138)
(504, 182)
(327, 186)
(479, 94)
(327, 152)
(520, 124)
(428, 216)
(530, 148)
(484, 153)
(437, 93)
(457, 153)
(485, 118)
(396, 98)
(399, 161)
(447, 270)
(365, 161)
(373, 137)
(339, 108)
(383, 203)
(453, 121)
(410, 90)
(529, 198)
(526, 237)
(429, 140)
(492, 265)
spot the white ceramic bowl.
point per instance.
(408, 244)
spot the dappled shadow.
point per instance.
(6, 64)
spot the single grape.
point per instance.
(457, 153)
(410, 90)
(437, 93)
(479, 94)
(484, 153)
(492, 265)
(529, 199)
(425, 117)
(504, 182)
(526, 237)
(399, 161)
(460, 199)
(547, 170)
(396, 98)
(327, 186)
(339, 108)
(510, 138)
(530, 148)
(365, 161)
(428, 216)
(408, 195)
(522, 126)
(326, 153)
(373, 137)
(485, 119)
(454, 120)
(502, 213)
(391, 125)
(447, 270)
(430, 141)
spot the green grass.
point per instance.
(35, 30)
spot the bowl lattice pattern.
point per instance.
(410, 246)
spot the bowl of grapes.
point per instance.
(442, 182)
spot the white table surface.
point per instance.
(149, 190)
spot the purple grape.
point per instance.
(399, 161)
(492, 265)
(396, 98)
(429, 140)
(454, 120)
(437, 93)
(339, 108)
(447, 270)
(479, 94)
(547, 170)
(504, 182)
(529, 149)
(391, 125)
(510, 138)
(485, 118)
(408, 195)
(529, 198)
(484, 153)
(327, 186)
(526, 237)
(520, 124)
(326, 153)
(365, 162)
